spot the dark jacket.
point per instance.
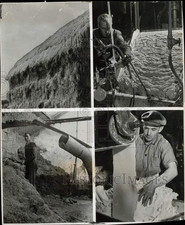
(30, 154)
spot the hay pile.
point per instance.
(51, 179)
(21, 201)
(55, 73)
(151, 62)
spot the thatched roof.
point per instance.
(55, 74)
(61, 41)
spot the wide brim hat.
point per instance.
(120, 129)
(153, 118)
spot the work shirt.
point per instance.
(150, 155)
(100, 57)
(118, 40)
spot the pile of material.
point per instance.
(57, 72)
(104, 200)
(158, 210)
(69, 201)
(151, 62)
(22, 203)
(51, 179)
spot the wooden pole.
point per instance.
(111, 30)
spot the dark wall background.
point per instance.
(153, 15)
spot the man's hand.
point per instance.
(146, 193)
(127, 59)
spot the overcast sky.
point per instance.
(26, 25)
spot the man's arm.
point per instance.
(121, 43)
(147, 192)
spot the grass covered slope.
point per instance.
(57, 72)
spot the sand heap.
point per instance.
(57, 72)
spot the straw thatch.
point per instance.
(57, 72)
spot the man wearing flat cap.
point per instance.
(152, 150)
(102, 38)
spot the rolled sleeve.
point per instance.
(167, 154)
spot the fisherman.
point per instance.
(30, 159)
(152, 149)
(102, 38)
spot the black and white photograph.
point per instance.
(138, 53)
(139, 159)
(45, 50)
(47, 167)
(92, 112)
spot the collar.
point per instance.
(153, 142)
(100, 34)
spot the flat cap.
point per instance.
(153, 118)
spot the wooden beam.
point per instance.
(17, 123)
(67, 120)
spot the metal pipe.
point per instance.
(137, 15)
(171, 42)
(73, 145)
(174, 14)
(78, 150)
(111, 30)
(141, 97)
(170, 23)
(131, 22)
